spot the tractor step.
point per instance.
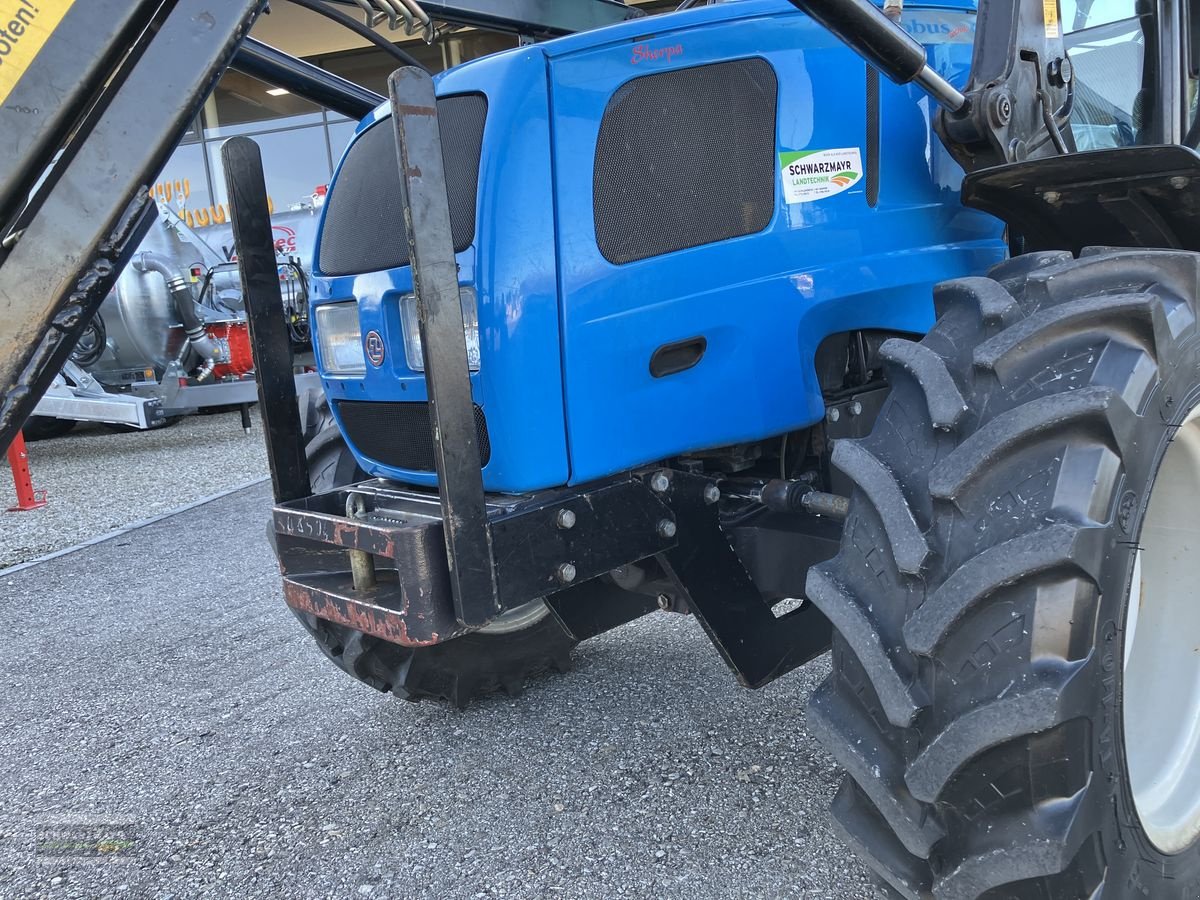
(372, 556)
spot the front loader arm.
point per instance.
(138, 73)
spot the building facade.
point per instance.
(300, 142)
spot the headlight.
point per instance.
(412, 330)
(340, 339)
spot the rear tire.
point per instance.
(980, 594)
(525, 642)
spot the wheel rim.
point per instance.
(517, 618)
(1161, 696)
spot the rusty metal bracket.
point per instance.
(544, 543)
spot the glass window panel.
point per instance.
(370, 68)
(339, 138)
(295, 163)
(474, 44)
(1110, 97)
(183, 184)
(1080, 14)
(242, 104)
(192, 133)
(1193, 100)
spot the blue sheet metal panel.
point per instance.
(512, 267)
(764, 301)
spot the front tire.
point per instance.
(523, 642)
(980, 596)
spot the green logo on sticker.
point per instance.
(816, 174)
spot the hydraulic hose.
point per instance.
(362, 31)
(181, 296)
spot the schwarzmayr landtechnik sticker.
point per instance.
(817, 174)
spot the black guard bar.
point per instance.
(269, 340)
(447, 378)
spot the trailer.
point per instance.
(137, 365)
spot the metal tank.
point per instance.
(139, 327)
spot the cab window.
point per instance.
(1108, 50)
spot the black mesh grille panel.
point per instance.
(364, 225)
(398, 434)
(872, 136)
(685, 158)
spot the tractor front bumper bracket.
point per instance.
(372, 555)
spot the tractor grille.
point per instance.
(685, 158)
(398, 434)
(364, 219)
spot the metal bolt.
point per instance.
(856, 408)
(659, 482)
(565, 519)
(712, 494)
(1059, 72)
(356, 506)
(1001, 110)
(565, 573)
(834, 414)
(664, 602)
(1052, 197)
(362, 570)
(1179, 182)
(666, 528)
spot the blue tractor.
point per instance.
(632, 320)
(832, 326)
(672, 255)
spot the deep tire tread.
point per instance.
(1113, 315)
(1019, 713)
(1018, 428)
(858, 823)
(1021, 847)
(993, 303)
(857, 745)
(971, 507)
(854, 624)
(909, 547)
(942, 396)
(1026, 556)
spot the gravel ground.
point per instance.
(170, 691)
(99, 481)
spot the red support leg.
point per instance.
(18, 459)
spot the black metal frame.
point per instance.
(563, 545)
(708, 574)
(1127, 197)
(270, 340)
(534, 19)
(264, 62)
(447, 376)
(73, 248)
(543, 543)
